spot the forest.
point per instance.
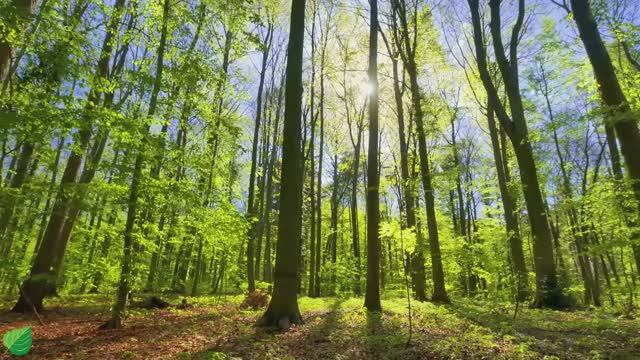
(320, 179)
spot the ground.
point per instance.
(217, 328)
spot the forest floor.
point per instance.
(334, 328)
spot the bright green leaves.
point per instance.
(18, 341)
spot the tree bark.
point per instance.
(45, 271)
(283, 309)
(372, 295)
(548, 292)
(509, 205)
(619, 115)
(21, 12)
(122, 296)
(267, 270)
(251, 211)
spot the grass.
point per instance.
(334, 328)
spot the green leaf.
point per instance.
(18, 341)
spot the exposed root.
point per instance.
(283, 323)
(109, 325)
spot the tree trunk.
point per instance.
(120, 305)
(50, 189)
(267, 271)
(9, 201)
(619, 115)
(548, 293)
(22, 11)
(408, 57)
(283, 309)
(198, 268)
(372, 295)
(333, 237)
(42, 280)
(318, 257)
(251, 211)
(509, 205)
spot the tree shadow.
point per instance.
(310, 340)
(375, 324)
(560, 339)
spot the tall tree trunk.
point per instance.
(333, 238)
(9, 201)
(417, 258)
(50, 192)
(318, 257)
(548, 292)
(283, 309)
(251, 211)
(355, 228)
(372, 295)
(312, 177)
(619, 114)
(591, 287)
(509, 205)
(267, 271)
(198, 267)
(408, 54)
(262, 179)
(43, 278)
(122, 296)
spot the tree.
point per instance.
(548, 292)
(251, 207)
(122, 295)
(408, 46)
(43, 278)
(372, 294)
(17, 15)
(283, 308)
(619, 114)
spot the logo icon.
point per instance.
(18, 341)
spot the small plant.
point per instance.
(255, 300)
(184, 356)
(220, 356)
(628, 311)
(129, 355)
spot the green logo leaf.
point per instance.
(18, 341)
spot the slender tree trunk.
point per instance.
(591, 287)
(318, 244)
(198, 268)
(333, 237)
(548, 292)
(122, 296)
(267, 271)
(408, 57)
(620, 115)
(9, 201)
(312, 177)
(42, 280)
(251, 211)
(50, 192)
(372, 295)
(620, 120)
(509, 207)
(355, 228)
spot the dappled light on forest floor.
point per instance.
(333, 329)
